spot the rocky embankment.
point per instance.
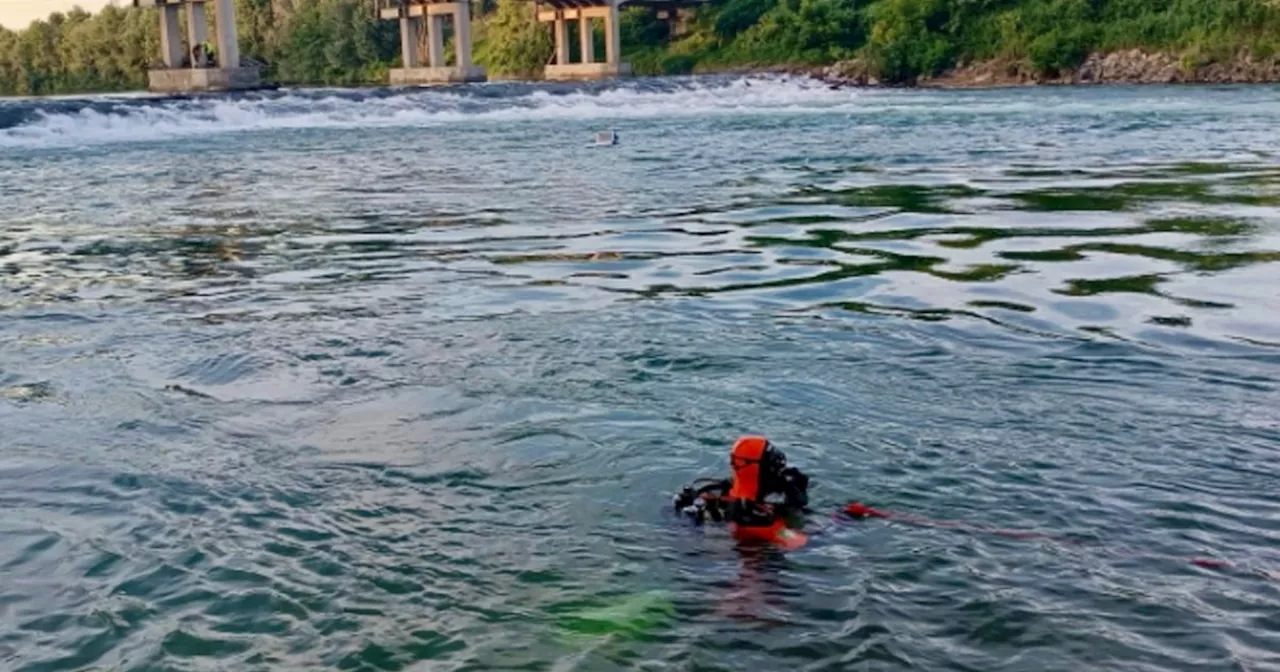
(1121, 67)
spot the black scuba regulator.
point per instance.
(690, 502)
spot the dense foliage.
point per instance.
(78, 52)
(508, 42)
(905, 39)
(342, 42)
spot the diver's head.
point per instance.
(757, 467)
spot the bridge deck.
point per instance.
(389, 8)
(656, 4)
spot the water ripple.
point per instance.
(397, 380)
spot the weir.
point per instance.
(422, 24)
(198, 65)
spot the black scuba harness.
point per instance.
(708, 498)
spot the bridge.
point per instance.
(558, 13)
(193, 67)
(413, 14)
(197, 67)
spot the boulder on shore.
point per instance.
(1131, 66)
(856, 72)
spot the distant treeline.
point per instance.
(341, 42)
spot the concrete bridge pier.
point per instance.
(228, 39)
(185, 69)
(412, 15)
(197, 24)
(410, 36)
(587, 67)
(170, 37)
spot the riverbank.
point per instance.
(938, 43)
(1133, 66)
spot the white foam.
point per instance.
(420, 108)
(300, 109)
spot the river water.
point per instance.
(383, 380)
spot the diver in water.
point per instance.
(756, 502)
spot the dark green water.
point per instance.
(404, 381)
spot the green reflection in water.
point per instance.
(926, 199)
(1135, 284)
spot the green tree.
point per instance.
(8, 61)
(909, 39)
(512, 42)
(337, 42)
(343, 42)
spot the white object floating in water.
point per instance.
(606, 137)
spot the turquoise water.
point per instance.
(404, 380)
